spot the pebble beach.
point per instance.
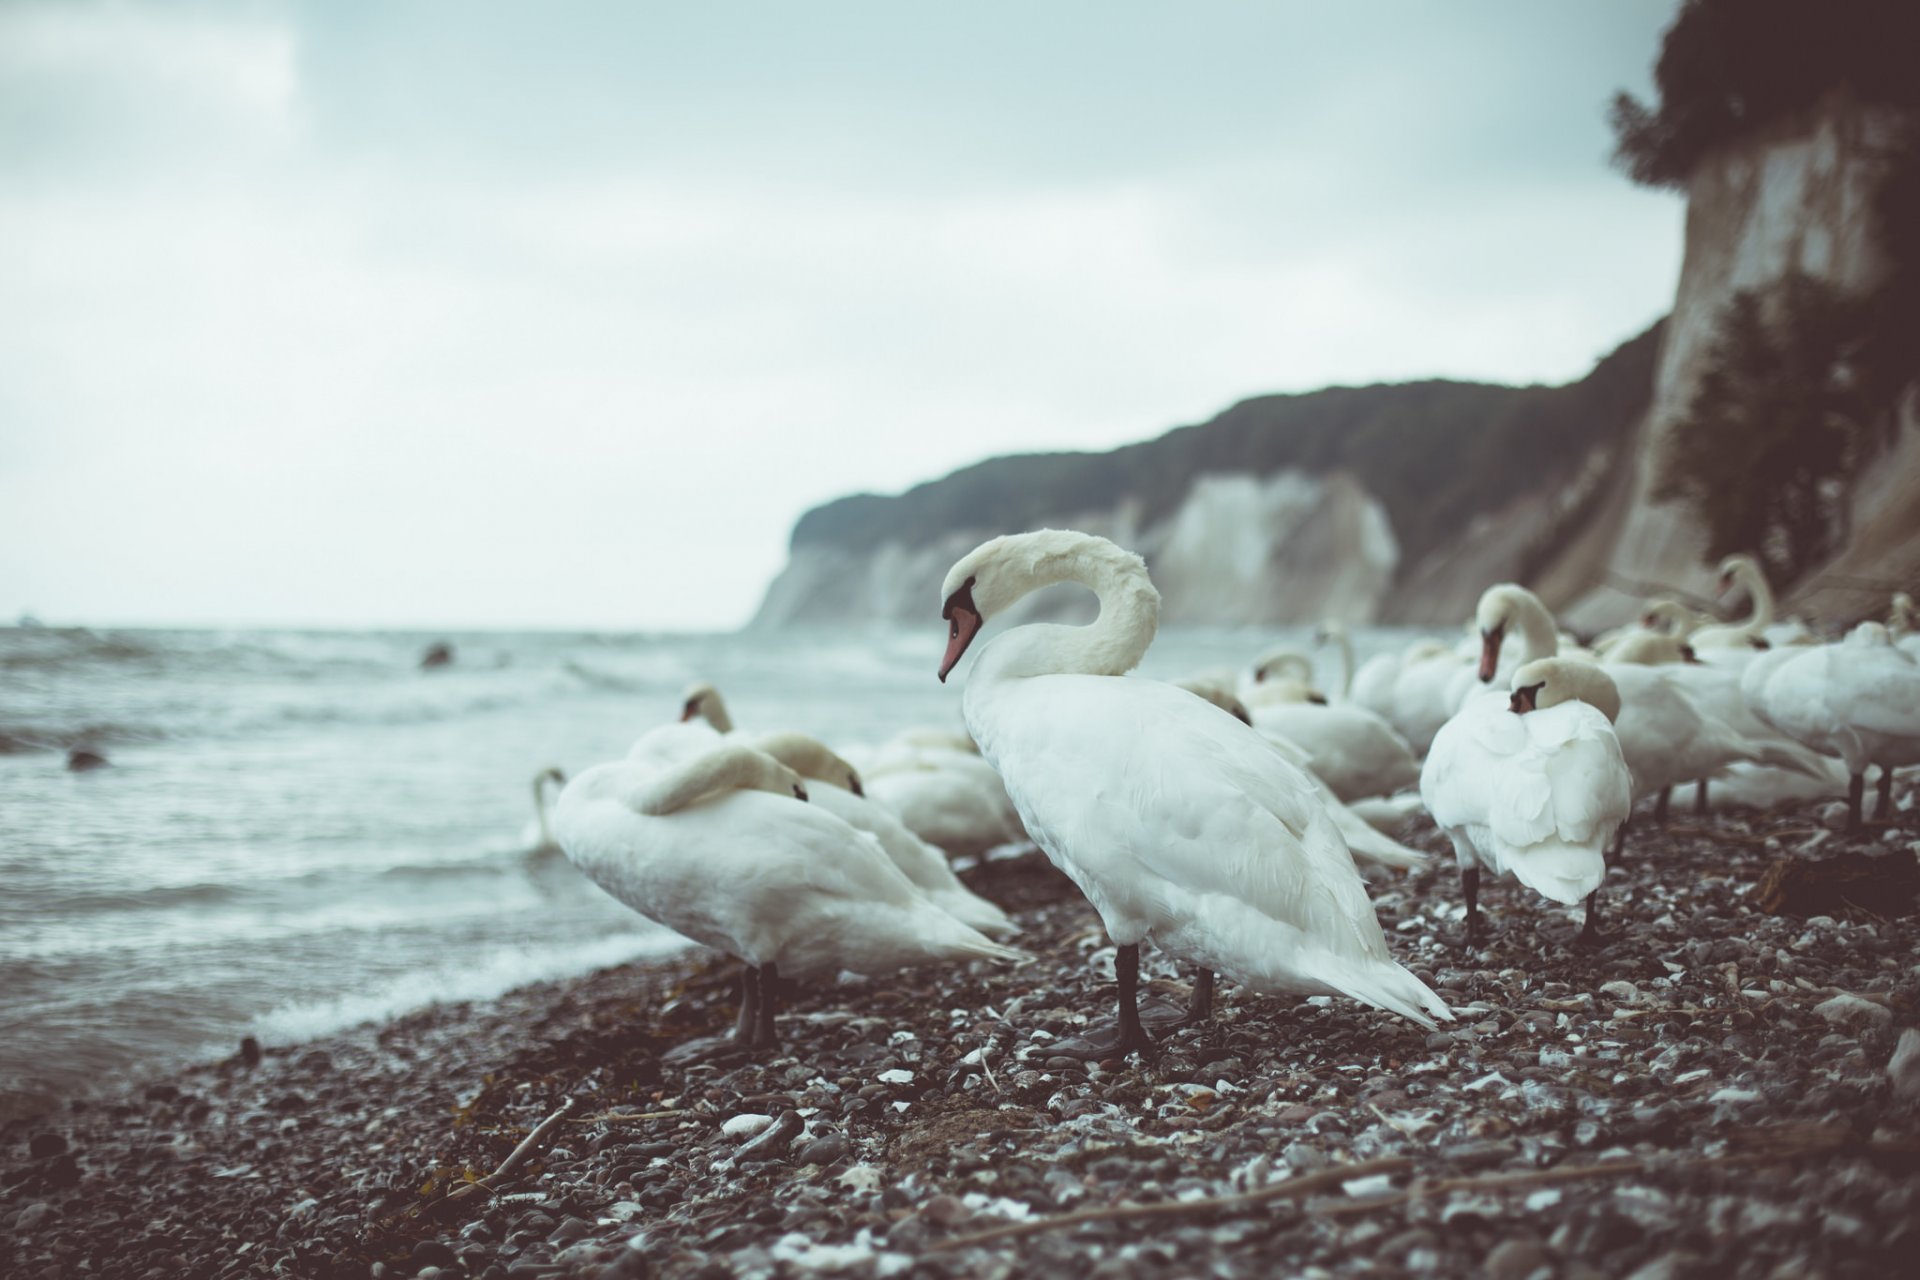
(1706, 1093)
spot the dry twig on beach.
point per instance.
(518, 1156)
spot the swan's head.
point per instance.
(999, 571)
(810, 758)
(1210, 688)
(1735, 567)
(549, 774)
(1548, 682)
(702, 700)
(1498, 607)
(1870, 633)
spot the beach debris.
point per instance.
(438, 654)
(528, 1145)
(1879, 886)
(81, 760)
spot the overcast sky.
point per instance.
(561, 314)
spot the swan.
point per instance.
(541, 837)
(1858, 700)
(1180, 825)
(1280, 676)
(1369, 842)
(720, 848)
(1901, 625)
(840, 794)
(949, 797)
(1533, 788)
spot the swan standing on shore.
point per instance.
(1858, 700)
(1179, 824)
(542, 834)
(1534, 789)
(721, 848)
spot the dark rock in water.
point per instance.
(250, 1051)
(438, 654)
(80, 760)
(44, 1145)
(1883, 886)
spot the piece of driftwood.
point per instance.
(1847, 882)
(518, 1156)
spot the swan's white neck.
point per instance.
(1338, 635)
(1536, 627)
(1759, 593)
(1111, 645)
(540, 809)
(730, 768)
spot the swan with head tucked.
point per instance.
(944, 793)
(1181, 825)
(721, 848)
(1534, 788)
(1352, 750)
(1283, 675)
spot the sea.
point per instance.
(300, 831)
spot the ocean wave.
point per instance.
(54, 648)
(492, 976)
(26, 739)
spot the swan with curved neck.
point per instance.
(1742, 571)
(1334, 633)
(703, 701)
(550, 774)
(719, 847)
(1509, 607)
(1180, 825)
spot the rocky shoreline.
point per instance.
(1706, 1093)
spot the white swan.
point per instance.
(720, 848)
(839, 792)
(948, 797)
(1858, 700)
(540, 838)
(1179, 824)
(1534, 788)
(1280, 676)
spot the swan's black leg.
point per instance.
(1856, 789)
(1883, 805)
(1590, 931)
(1200, 1008)
(749, 1006)
(764, 1035)
(1127, 1035)
(1700, 797)
(1619, 844)
(1660, 805)
(1470, 889)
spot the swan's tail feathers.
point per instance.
(1565, 872)
(1387, 813)
(1385, 985)
(970, 908)
(1789, 755)
(1371, 848)
(957, 940)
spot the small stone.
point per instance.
(830, 1148)
(567, 1232)
(1844, 1009)
(432, 1253)
(32, 1216)
(1518, 1260)
(773, 1143)
(1904, 1067)
(746, 1126)
(44, 1145)
(896, 1076)
(250, 1051)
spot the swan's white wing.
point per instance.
(673, 742)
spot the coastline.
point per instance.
(1694, 1097)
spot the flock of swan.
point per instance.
(1226, 821)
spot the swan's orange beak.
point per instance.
(689, 711)
(962, 626)
(1490, 652)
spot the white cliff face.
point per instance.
(1238, 549)
(1794, 197)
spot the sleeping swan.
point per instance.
(721, 848)
(1181, 825)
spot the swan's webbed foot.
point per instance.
(1126, 1034)
(1162, 1016)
